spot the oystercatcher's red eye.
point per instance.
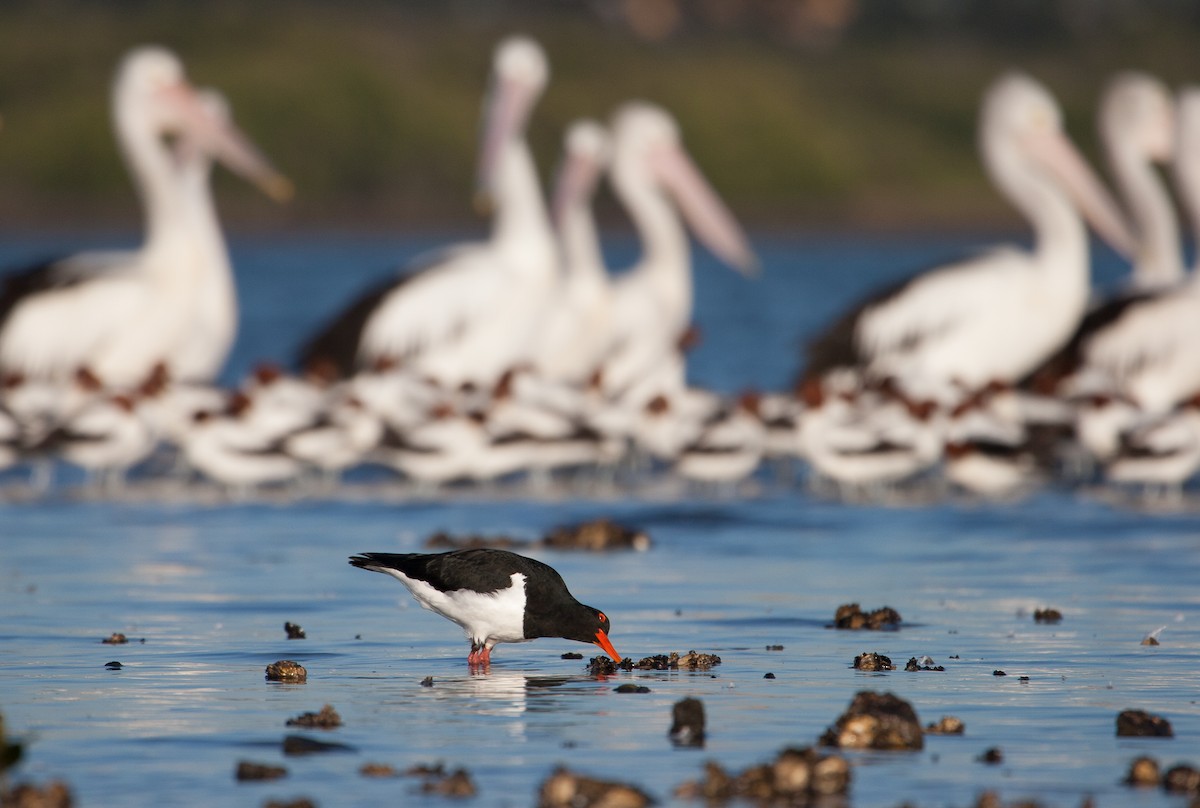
(603, 617)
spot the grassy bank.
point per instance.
(373, 108)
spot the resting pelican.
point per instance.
(995, 317)
(472, 313)
(1148, 353)
(652, 303)
(1137, 126)
(121, 313)
(574, 339)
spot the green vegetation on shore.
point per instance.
(372, 108)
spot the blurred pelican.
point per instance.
(995, 317)
(1146, 352)
(1137, 127)
(656, 180)
(574, 337)
(471, 312)
(120, 313)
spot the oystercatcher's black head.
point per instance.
(571, 620)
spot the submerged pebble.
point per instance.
(691, 661)
(1182, 779)
(299, 802)
(114, 665)
(1141, 724)
(1047, 616)
(925, 663)
(377, 770)
(687, 722)
(436, 780)
(948, 725)
(1144, 771)
(302, 745)
(116, 638)
(795, 777)
(285, 670)
(55, 794)
(327, 718)
(597, 535)
(876, 721)
(850, 616)
(992, 756)
(630, 687)
(566, 789)
(445, 541)
(249, 771)
(872, 662)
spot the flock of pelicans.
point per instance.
(521, 354)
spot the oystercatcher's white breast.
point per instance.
(488, 617)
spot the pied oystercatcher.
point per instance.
(495, 595)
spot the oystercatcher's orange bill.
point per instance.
(602, 641)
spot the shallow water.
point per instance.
(209, 585)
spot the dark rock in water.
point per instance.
(1144, 771)
(630, 687)
(438, 781)
(1141, 724)
(328, 718)
(795, 777)
(566, 789)
(301, 745)
(999, 673)
(876, 721)
(247, 771)
(116, 638)
(992, 756)
(55, 794)
(768, 675)
(598, 535)
(1150, 639)
(872, 662)
(691, 661)
(427, 681)
(572, 655)
(456, 784)
(603, 666)
(1047, 616)
(11, 750)
(774, 648)
(114, 665)
(377, 770)
(948, 725)
(285, 670)
(294, 632)
(299, 802)
(687, 723)
(1182, 779)
(851, 617)
(922, 664)
(445, 541)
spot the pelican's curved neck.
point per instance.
(665, 249)
(1158, 261)
(521, 226)
(582, 256)
(155, 177)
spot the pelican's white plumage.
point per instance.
(472, 313)
(656, 180)
(1137, 128)
(121, 313)
(574, 337)
(1148, 354)
(996, 316)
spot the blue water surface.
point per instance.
(207, 584)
